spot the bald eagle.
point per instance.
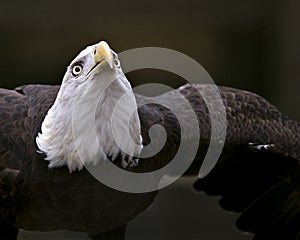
(45, 186)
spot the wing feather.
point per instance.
(245, 179)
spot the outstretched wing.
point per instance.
(21, 110)
(258, 173)
(12, 110)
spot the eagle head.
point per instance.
(94, 116)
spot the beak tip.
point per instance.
(104, 52)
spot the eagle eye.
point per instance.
(117, 62)
(77, 70)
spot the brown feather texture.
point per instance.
(260, 182)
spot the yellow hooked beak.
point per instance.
(103, 52)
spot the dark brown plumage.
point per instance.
(37, 198)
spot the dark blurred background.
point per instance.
(253, 45)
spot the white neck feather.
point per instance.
(79, 131)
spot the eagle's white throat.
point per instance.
(94, 115)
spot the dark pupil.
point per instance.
(77, 69)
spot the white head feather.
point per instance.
(83, 125)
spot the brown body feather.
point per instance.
(34, 197)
